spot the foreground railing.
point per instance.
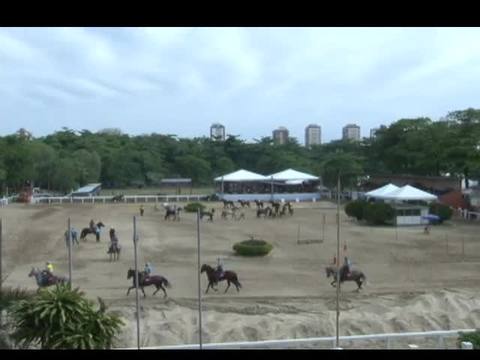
(386, 339)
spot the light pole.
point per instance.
(338, 261)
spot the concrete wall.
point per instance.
(268, 197)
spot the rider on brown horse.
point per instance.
(219, 270)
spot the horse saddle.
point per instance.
(220, 275)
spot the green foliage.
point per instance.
(194, 206)
(473, 337)
(441, 210)
(62, 318)
(378, 213)
(355, 209)
(9, 296)
(252, 247)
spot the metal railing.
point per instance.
(386, 338)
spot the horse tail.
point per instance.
(236, 282)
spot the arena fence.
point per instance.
(386, 341)
(109, 199)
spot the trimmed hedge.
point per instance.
(441, 210)
(378, 213)
(355, 209)
(193, 206)
(252, 247)
(473, 337)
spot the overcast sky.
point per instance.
(252, 80)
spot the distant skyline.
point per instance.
(251, 80)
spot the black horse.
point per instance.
(208, 214)
(228, 203)
(173, 212)
(259, 204)
(244, 203)
(88, 230)
(117, 198)
(214, 278)
(355, 275)
(265, 212)
(143, 280)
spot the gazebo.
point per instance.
(290, 181)
(240, 182)
(408, 202)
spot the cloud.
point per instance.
(179, 80)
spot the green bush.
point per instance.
(194, 206)
(356, 209)
(378, 213)
(441, 210)
(473, 337)
(252, 247)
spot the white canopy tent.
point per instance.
(292, 176)
(406, 193)
(241, 175)
(382, 190)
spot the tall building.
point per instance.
(280, 135)
(217, 132)
(313, 135)
(351, 131)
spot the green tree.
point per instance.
(62, 318)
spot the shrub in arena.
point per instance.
(378, 213)
(444, 212)
(355, 209)
(252, 247)
(193, 206)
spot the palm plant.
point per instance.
(62, 318)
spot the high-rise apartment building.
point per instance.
(217, 132)
(280, 135)
(351, 131)
(313, 135)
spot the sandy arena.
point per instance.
(416, 282)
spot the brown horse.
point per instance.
(96, 231)
(214, 278)
(157, 280)
(114, 251)
(355, 275)
(208, 214)
(44, 281)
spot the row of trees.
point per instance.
(68, 158)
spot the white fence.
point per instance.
(109, 199)
(387, 340)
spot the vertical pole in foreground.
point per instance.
(69, 239)
(135, 242)
(338, 262)
(1, 274)
(323, 228)
(199, 288)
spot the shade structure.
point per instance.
(292, 175)
(382, 190)
(408, 192)
(241, 175)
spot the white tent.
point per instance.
(292, 176)
(382, 190)
(408, 192)
(241, 175)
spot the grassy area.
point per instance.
(157, 190)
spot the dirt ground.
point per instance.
(416, 282)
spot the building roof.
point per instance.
(241, 175)
(88, 188)
(291, 175)
(408, 192)
(382, 190)
(176, 181)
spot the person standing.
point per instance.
(141, 210)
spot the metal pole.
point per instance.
(1, 274)
(298, 234)
(463, 247)
(323, 228)
(69, 252)
(199, 288)
(271, 187)
(338, 262)
(137, 300)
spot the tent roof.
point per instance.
(241, 175)
(382, 190)
(408, 192)
(291, 174)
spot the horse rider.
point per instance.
(92, 225)
(113, 240)
(219, 270)
(47, 273)
(73, 235)
(147, 270)
(347, 268)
